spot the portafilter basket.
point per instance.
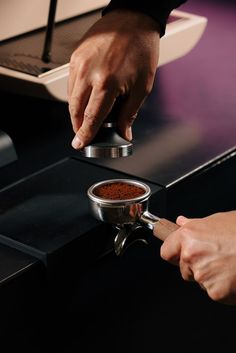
(127, 214)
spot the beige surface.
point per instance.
(181, 36)
(21, 16)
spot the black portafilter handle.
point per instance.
(108, 143)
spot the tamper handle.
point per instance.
(108, 143)
(112, 117)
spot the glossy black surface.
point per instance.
(7, 150)
(13, 263)
(139, 303)
(48, 211)
(22, 297)
(40, 131)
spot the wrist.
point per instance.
(133, 19)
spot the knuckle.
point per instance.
(74, 114)
(188, 252)
(79, 64)
(147, 84)
(85, 134)
(198, 276)
(83, 68)
(218, 293)
(186, 275)
(130, 120)
(73, 108)
(91, 120)
(164, 253)
(187, 255)
(147, 89)
(185, 234)
(73, 60)
(105, 81)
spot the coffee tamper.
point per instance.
(108, 143)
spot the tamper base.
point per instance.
(108, 144)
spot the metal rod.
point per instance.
(46, 56)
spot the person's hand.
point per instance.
(118, 56)
(205, 250)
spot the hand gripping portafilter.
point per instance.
(108, 143)
(127, 215)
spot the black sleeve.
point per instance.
(159, 10)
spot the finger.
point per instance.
(77, 104)
(128, 113)
(71, 80)
(99, 105)
(181, 220)
(75, 76)
(78, 91)
(202, 286)
(171, 249)
(186, 271)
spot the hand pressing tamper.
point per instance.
(124, 203)
(108, 143)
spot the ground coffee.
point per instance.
(118, 191)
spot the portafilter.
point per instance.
(124, 203)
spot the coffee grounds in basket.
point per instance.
(118, 191)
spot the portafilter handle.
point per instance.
(127, 234)
(161, 227)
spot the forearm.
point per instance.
(159, 10)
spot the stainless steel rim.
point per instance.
(110, 202)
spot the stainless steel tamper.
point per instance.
(108, 143)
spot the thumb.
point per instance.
(181, 220)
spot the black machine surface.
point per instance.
(7, 150)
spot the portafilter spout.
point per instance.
(124, 203)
